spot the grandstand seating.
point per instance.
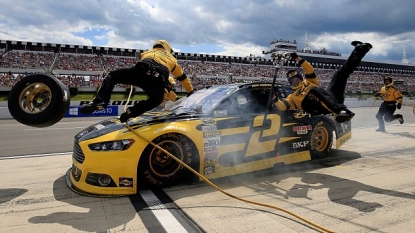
(72, 67)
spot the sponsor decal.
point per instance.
(220, 113)
(261, 85)
(208, 121)
(108, 111)
(170, 127)
(126, 182)
(343, 139)
(208, 170)
(73, 111)
(99, 126)
(209, 128)
(211, 134)
(300, 144)
(211, 153)
(82, 133)
(302, 129)
(211, 157)
(211, 143)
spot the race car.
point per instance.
(218, 131)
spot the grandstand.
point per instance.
(83, 66)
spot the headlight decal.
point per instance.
(118, 145)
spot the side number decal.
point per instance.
(258, 146)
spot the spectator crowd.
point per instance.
(202, 73)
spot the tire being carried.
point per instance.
(39, 100)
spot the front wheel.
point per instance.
(38, 100)
(158, 169)
(321, 139)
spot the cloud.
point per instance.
(234, 28)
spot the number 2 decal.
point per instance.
(258, 146)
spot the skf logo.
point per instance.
(300, 144)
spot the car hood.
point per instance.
(113, 124)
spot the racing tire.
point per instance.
(157, 169)
(39, 100)
(321, 139)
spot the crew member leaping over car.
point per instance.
(314, 100)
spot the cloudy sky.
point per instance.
(227, 27)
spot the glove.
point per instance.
(377, 94)
(129, 113)
(293, 55)
(399, 106)
(279, 92)
(188, 94)
(124, 117)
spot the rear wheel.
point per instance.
(321, 139)
(39, 100)
(158, 169)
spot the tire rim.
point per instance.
(319, 139)
(162, 164)
(35, 98)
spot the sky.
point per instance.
(221, 27)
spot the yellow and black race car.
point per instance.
(218, 131)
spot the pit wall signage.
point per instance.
(108, 111)
(115, 108)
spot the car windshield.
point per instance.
(202, 101)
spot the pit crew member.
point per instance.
(392, 100)
(150, 73)
(314, 100)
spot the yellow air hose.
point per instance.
(215, 186)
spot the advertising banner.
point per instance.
(109, 111)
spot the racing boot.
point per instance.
(97, 104)
(380, 129)
(356, 42)
(400, 119)
(361, 48)
(345, 115)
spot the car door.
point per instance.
(245, 136)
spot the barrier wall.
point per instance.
(117, 107)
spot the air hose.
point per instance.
(221, 190)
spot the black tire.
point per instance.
(156, 169)
(39, 100)
(321, 139)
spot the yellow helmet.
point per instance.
(172, 81)
(163, 44)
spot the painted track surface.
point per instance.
(366, 186)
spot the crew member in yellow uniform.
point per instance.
(392, 99)
(314, 100)
(150, 73)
